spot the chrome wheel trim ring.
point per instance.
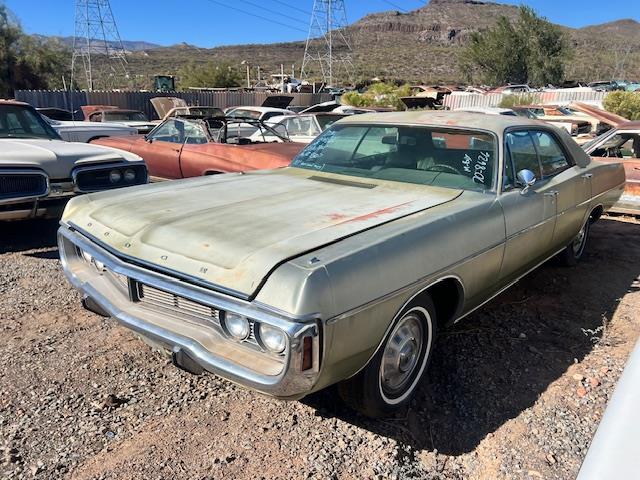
(577, 246)
(405, 355)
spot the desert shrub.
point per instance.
(509, 101)
(378, 95)
(625, 104)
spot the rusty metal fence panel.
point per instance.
(457, 101)
(140, 100)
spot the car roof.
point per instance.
(438, 118)
(13, 102)
(263, 109)
(630, 125)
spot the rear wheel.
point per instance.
(574, 251)
(390, 379)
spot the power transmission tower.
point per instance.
(97, 44)
(328, 45)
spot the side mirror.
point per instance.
(526, 178)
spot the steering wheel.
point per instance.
(441, 167)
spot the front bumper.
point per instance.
(49, 205)
(284, 376)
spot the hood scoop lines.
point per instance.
(346, 183)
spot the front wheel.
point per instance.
(390, 379)
(574, 251)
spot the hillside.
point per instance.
(418, 46)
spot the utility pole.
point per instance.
(328, 45)
(97, 44)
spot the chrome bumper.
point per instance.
(280, 377)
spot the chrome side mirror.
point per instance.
(526, 178)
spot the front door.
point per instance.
(161, 151)
(530, 217)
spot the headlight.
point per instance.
(115, 176)
(272, 338)
(236, 325)
(129, 175)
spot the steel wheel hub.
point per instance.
(401, 354)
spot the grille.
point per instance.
(22, 185)
(160, 298)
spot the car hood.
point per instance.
(599, 114)
(86, 126)
(56, 157)
(230, 231)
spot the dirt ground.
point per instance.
(515, 391)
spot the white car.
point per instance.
(40, 172)
(302, 128)
(85, 132)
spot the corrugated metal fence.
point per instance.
(140, 100)
(458, 101)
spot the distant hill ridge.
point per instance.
(417, 46)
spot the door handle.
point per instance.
(587, 175)
(552, 193)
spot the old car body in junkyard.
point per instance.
(84, 132)
(39, 172)
(341, 268)
(121, 116)
(183, 147)
(167, 107)
(621, 145)
(301, 128)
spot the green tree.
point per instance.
(214, 75)
(25, 62)
(528, 50)
(625, 104)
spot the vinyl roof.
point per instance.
(438, 118)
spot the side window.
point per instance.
(170, 131)
(552, 158)
(523, 154)
(194, 134)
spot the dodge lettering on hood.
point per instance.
(341, 268)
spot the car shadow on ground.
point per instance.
(496, 363)
(25, 235)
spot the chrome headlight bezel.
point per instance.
(98, 178)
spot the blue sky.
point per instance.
(208, 23)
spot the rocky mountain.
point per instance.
(417, 46)
(129, 45)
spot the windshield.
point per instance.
(125, 116)
(244, 113)
(325, 121)
(17, 121)
(409, 154)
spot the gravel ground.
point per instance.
(515, 391)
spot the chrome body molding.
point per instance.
(281, 377)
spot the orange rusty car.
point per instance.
(190, 147)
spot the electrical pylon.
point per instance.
(328, 45)
(98, 45)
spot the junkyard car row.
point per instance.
(337, 266)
